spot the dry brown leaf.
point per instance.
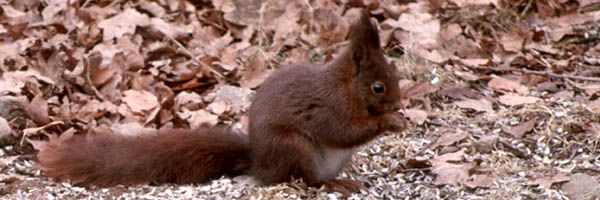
(480, 105)
(423, 27)
(332, 28)
(467, 76)
(420, 90)
(255, 72)
(450, 137)
(5, 131)
(101, 75)
(123, 23)
(503, 85)
(594, 106)
(519, 130)
(463, 3)
(515, 100)
(238, 98)
(53, 8)
(451, 173)
(131, 128)
(95, 109)
(140, 101)
(451, 31)
(287, 30)
(460, 92)
(198, 118)
(416, 116)
(481, 181)
(38, 110)
(582, 187)
(219, 107)
(547, 181)
(474, 62)
(566, 95)
(215, 47)
(593, 129)
(512, 41)
(486, 143)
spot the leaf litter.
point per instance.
(516, 82)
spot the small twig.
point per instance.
(514, 150)
(526, 71)
(311, 13)
(554, 75)
(526, 8)
(85, 3)
(185, 50)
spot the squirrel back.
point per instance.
(172, 156)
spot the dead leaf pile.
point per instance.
(503, 95)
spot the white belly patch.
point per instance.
(332, 160)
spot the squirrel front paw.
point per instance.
(395, 122)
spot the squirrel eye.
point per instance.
(378, 88)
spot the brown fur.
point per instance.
(175, 156)
(305, 122)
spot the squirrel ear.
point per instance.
(363, 39)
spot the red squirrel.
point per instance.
(305, 122)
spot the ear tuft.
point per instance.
(364, 33)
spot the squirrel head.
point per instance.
(374, 80)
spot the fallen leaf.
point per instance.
(198, 118)
(512, 41)
(486, 143)
(38, 110)
(216, 46)
(123, 23)
(582, 187)
(504, 85)
(479, 105)
(238, 98)
(416, 116)
(474, 62)
(460, 92)
(101, 75)
(218, 107)
(448, 173)
(95, 108)
(593, 129)
(451, 31)
(566, 95)
(515, 100)
(519, 130)
(5, 132)
(547, 181)
(594, 106)
(419, 90)
(450, 137)
(131, 128)
(481, 181)
(463, 3)
(140, 101)
(467, 76)
(255, 72)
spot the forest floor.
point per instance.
(503, 96)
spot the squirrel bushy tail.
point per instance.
(174, 156)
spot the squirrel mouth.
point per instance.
(374, 110)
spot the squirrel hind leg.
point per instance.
(286, 157)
